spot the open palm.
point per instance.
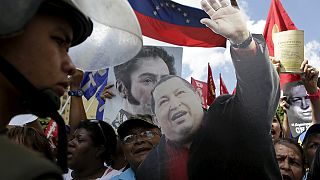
(225, 19)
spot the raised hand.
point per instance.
(225, 19)
(75, 79)
(106, 93)
(310, 77)
(276, 63)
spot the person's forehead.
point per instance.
(275, 120)
(288, 149)
(169, 85)
(142, 64)
(82, 132)
(315, 137)
(298, 91)
(58, 22)
(137, 129)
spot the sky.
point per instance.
(304, 13)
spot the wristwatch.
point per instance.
(77, 93)
(314, 96)
(244, 44)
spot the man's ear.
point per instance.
(155, 121)
(121, 89)
(100, 150)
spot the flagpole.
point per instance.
(65, 105)
(87, 109)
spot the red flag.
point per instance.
(278, 20)
(174, 23)
(211, 95)
(223, 88)
(202, 88)
(234, 91)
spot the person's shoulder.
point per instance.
(18, 162)
(222, 99)
(126, 175)
(110, 173)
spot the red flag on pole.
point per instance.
(223, 88)
(278, 20)
(211, 95)
(202, 88)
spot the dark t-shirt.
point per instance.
(17, 162)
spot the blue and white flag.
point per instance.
(92, 81)
(101, 102)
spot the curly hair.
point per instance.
(101, 133)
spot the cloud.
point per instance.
(311, 52)
(195, 60)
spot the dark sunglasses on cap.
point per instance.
(101, 130)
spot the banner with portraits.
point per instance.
(134, 80)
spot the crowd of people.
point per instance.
(162, 131)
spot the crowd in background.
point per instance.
(165, 134)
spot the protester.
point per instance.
(139, 135)
(136, 78)
(34, 40)
(315, 169)
(90, 147)
(77, 113)
(276, 128)
(290, 159)
(232, 140)
(32, 139)
(310, 143)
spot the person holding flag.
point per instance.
(232, 139)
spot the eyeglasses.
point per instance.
(145, 135)
(101, 130)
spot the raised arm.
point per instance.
(77, 111)
(310, 83)
(257, 92)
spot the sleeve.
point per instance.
(257, 91)
(234, 141)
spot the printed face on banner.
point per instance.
(178, 109)
(300, 104)
(143, 80)
(135, 79)
(299, 111)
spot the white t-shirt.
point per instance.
(108, 174)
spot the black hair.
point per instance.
(165, 78)
(314, 173)
(123, 71)
(107, 138)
